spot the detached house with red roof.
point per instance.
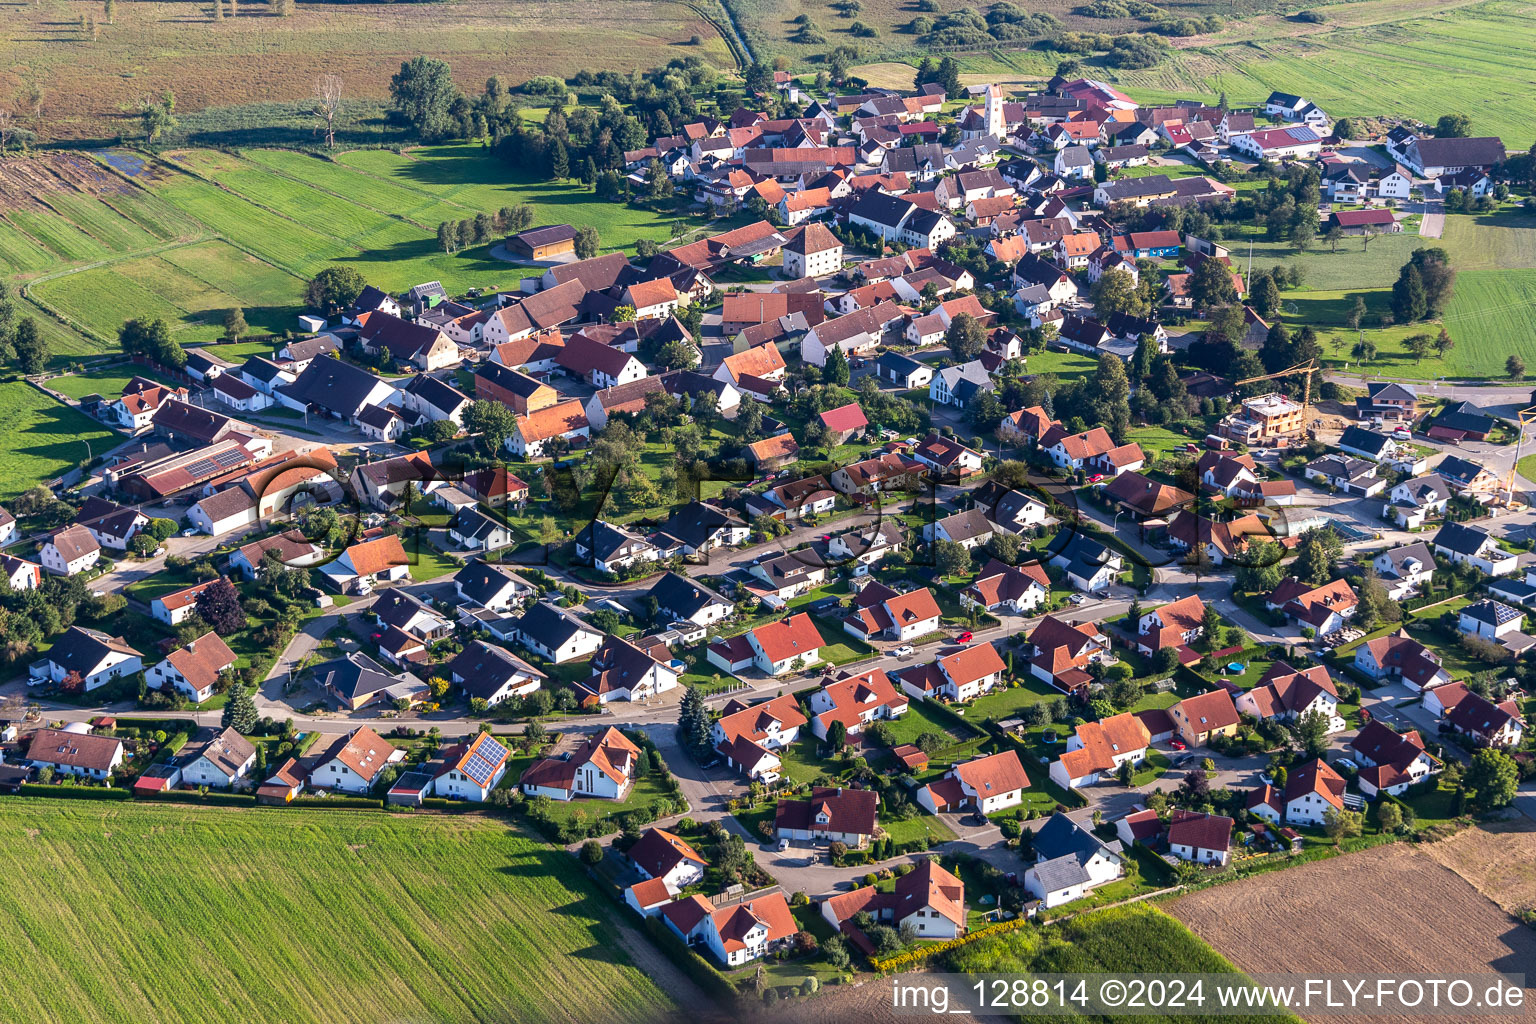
(984, 785)
(1014, 590)
(748, 734)
(959, 676)
(194, 670)
(667, 858)
(1287, 694)
(832, 815)
(1200, 838)
(1098, 749)
(1402, 658)
(1326, 608)
(1063, 652)
(603, 768)
(773, 649)
(1486, 723)
(1197, 719)
(365, 563)
(735, 934)
(175, 607)
(881, 613)
(1391, 761)
(843, 422)
(854, 700)
(1177, 624)
(932, 899)
(1311, 790)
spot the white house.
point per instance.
(602, 768)
(86, 659)
(194, 670)
(1200, 838)
(220, 761)
(471, 770)
(69, 550)
(1070, 862)
(984, 785)
(352, 763)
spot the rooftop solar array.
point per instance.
(481, 765)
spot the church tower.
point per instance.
(997, 125)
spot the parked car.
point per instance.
(190, 532)
(783, 845)
(904, 651)
(1178, 744)
(965, 637)
(1402, 434)
(1078, 599)
(1346, 763)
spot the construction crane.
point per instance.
(1307, 369)
(1525, 416)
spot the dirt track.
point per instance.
(1390, 910)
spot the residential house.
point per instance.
(1062, 652)
(1012, 590)
(929, 898)
(832, 814)
(855, 700)
(532, 433)
(747, 735)
(1486, 723)
(69, 550)
(1197, 719)
(1469, 545)
(470, 770)
(1341, 473)
(1287, 694)
(352, 762)
(1401, 658)
(369, 562)
(1176, 624)
(958, 676)
(493, 674)
(947, 458)
(602, 768)
(193, 670)
(82, 660)
(217, 760)
(1200, 838)
(174, 608)
(622, 670)
(970, 529)
(1324, 608)
(557, 635)
(1098, 749)
(1070, 862)
(881, 613)
(668, 858)
(1390, 761)
(609, 548)
(984, 785)
(1089, 565)
(1311, 791)
(1490, 619)
(80, 754)
(1413, 501)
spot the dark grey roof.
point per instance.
(695, 522)
(483, 583)
(81, 650)
(683, 597)
(1456, 469)
(1363, 440)
(471, 523)
(604, 539)
(1427, 489)
(358, 675)
(1480, 152)
(333, 385)
(898, 363)
(551, 626)
(436, 393)
(486, 668)
(879, 208)
(1420, 551)
(396, 608)
(1063, 849)
(1461, 538)
(1495, 613)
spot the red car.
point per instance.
(1096, 478)
(964, 638)
(1176, 744)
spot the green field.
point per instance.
(171, 913)
(107, 381)
(39, 438)
(1134, 939)
(189, 287)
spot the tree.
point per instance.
(334, 288)
(1418, 346)
(1356, 312)
(240, 711)
(1453, 126)
(219, 606)
(678, 355)
(1443, 343)
(1312, 733)
(837, 735)
(950, 558)
(693, 723)
(658, 184)
(1210, 626)
(836, 369)
(422, 94)
(1266, 296)
(1389, 816)
(1196, 788)
(586, 242)
(966, 337)
(158, 117)
(1333, 236)
(1117, 292)
(235, 326)
(31, 347)
(1314, 564)
(592, 853)
(1515, 367)
(151, 339)
(110, 10)
(1409, 300)
(1340, 825)
(493, 421)
(1211, 285)
(327, 106)
(1492, 779)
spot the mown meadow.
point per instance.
(125, 912)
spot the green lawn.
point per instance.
(1063, 364)
(645, 791)
(906, 830)
(39, 438)
(371, 906)
(918, 719)
(107, 381)
(1002, 704)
